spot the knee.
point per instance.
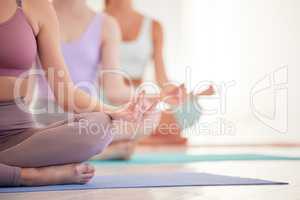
(95, 129)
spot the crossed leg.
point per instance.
(51, 155)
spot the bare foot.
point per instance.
(164, 140)
(57, 175)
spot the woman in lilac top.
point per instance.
(90, 44)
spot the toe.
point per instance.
(91, 169)
(88, 176)
(82, 168)
(85, 181)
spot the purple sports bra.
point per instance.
(82, 57)
(18, 48)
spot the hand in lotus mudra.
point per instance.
(137, 119)
(177, 96)
(136, 109)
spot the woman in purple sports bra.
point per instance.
(30, 156)
(90, 44)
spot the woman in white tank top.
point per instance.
(142, 42)
(136, 54)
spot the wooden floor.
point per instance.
(288, 171)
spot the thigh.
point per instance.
(14, 137)
(47, 112)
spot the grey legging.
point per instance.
(65, 142)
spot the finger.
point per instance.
(141, 102)
(137, 116)
(153, 106)
(132, 116)
(131, 105)
(141, 96)
(126, 115)
(175, 91)
(207, 92)
(147, 103)
(138, 109)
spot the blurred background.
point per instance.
(249, 49)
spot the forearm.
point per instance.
(119, 97)
(73, 99)
(160, 74)
(116, 90)
(79, 102)
(161, 80)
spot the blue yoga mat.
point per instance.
(150, 180)
(174, 158)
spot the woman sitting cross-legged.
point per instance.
(54, 154)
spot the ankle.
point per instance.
(28, 176)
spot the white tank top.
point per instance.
(135, 55)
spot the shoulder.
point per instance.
(39, 12)
(41, 8)
(109, 22)
(156, 25)
(110, 26)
